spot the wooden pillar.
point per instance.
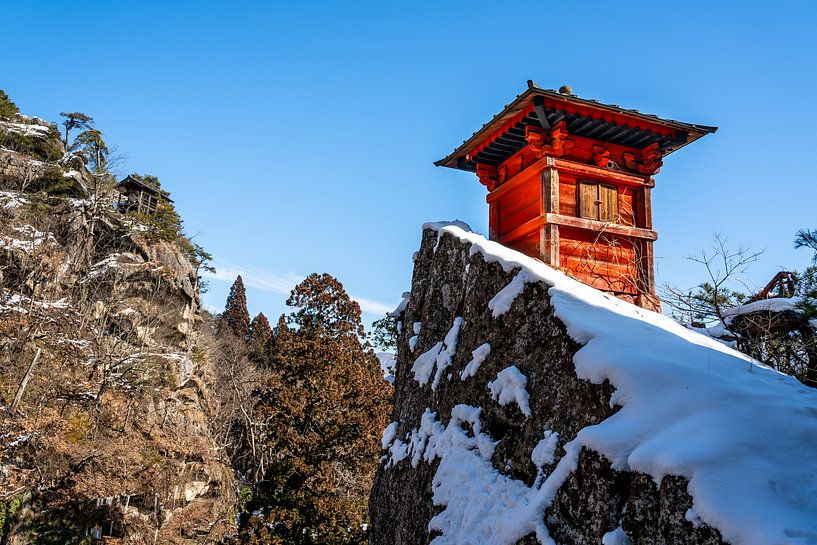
(646, 206)
(648, 258)
(549, 204)
(493, 220)
(649, 266)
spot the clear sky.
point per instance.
(299, 136)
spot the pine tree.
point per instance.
(324, 404)
(236, 318)
(383, 335)
(260, 335)
(75, 120)
(90, 141)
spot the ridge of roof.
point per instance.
(535, 90)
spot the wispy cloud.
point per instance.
(256, 278)
(275, 282)
(375, 307)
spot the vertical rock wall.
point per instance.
(449, 304)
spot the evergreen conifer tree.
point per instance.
(807, 285)
(75, 120)
(236, 318)
(383, 335)
(260, 335)
(91, 142)
(323, 403)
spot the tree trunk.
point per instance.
(21, 390)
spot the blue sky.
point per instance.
(299, 137)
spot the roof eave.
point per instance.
(694, 131)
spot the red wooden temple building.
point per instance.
(569, 182)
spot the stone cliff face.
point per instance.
(106, 392)
(449, 315)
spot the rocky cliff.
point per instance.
(532, 409)
(106, 396)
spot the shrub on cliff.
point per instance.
(7, 107)
(43, 147)
(55, 182)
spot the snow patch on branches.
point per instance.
(773, 304)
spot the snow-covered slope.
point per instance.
(743, 435)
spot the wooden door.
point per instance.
(608, 203)
(598, 202)
(589, 200)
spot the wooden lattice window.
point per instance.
(598, 202)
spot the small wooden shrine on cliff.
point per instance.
(569, 182)
(137, 196)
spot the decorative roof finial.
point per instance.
(566, 89)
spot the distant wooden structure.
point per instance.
(783, 284)
(569, 182)
(137, 196)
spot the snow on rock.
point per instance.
(12, 302)
(509, 387)
(482, 506)
(414, 338)
(439, 356)
(387, 361)
(433, 440)
(545, 450)
(477, 357)
(438, 226)
(734, 438)
(742, 434)
(502, 301)
(398, 451)
(25, 129)
(402, 306)
(102, 267)
(616, 537)
(19, 440)
(388, 435)
(25, 237)
(692, 516)
(11, 199)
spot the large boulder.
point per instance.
(532, 409)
